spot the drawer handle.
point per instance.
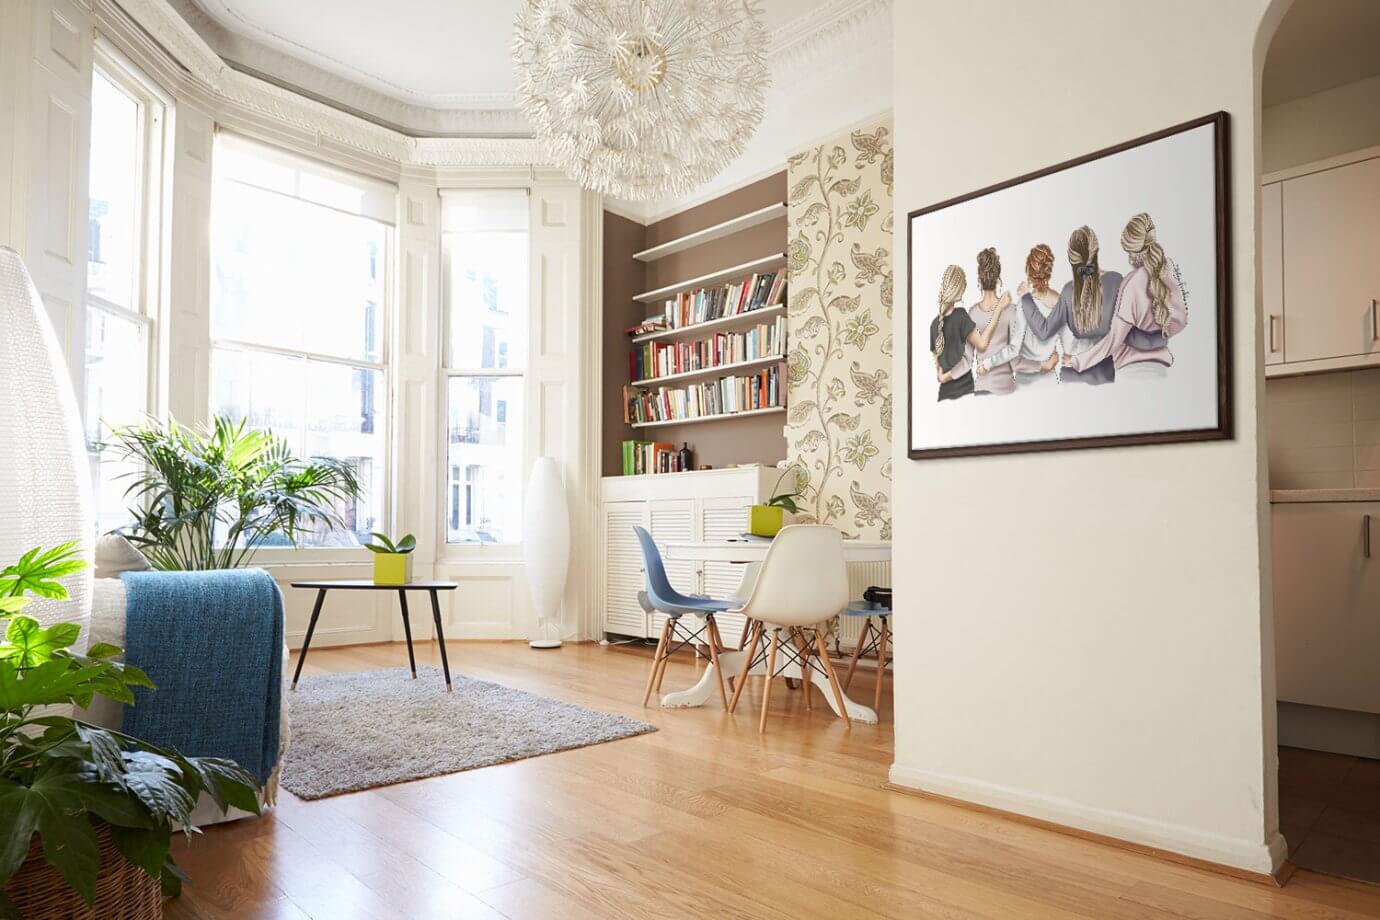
(1374, 330)
(1365, 535)
(1274, 330)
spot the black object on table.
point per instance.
(431, 587)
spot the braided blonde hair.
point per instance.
(1087, 285)
(1138, 239)
(951, 288)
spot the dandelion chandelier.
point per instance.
(641, 99)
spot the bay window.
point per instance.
(125, 201)
(486, 243)
(299, 302)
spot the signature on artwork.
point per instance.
(1179, 279)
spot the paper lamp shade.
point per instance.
(546, 537)
(45, 484)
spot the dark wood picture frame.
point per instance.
(1224, 428)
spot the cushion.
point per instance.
(116, 555)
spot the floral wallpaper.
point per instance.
(838, 431)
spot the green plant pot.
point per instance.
(765, 520)
(392, 568)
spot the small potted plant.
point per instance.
(766, 520)
(86, 813)
(392, 561)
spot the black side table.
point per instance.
(431, 587)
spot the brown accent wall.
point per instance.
(759, 439)
(624, 277)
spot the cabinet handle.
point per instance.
(1274, 329)
(1374, 330)
(1365, 535)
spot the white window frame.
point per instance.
(155, 111)
(488, 552)
(384, 489)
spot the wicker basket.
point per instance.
(123, 890)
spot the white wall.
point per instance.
(1322, 125)
(1100, 665)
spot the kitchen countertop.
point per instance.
(1285, 496)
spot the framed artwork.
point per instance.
(1084, 305)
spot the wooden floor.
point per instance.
(703, 818)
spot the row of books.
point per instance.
(661, 359)
(724, 396)
(702, 305)
(641, 457)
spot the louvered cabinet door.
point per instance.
(623, 569)
(673, 521)
(725, 519)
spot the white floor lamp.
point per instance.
(546, 545)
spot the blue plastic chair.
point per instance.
(662, 597)
(874, 640)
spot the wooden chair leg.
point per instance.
(766, 688)
(656, 662)
(833, 678)
(747, 665)
(857, 652)
(743, 636)
(713, 632)
(718, 640)
(666, 657)
(803, 647)
(881, 666)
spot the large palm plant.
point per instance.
(208, 500)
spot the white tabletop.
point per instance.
(756, 551)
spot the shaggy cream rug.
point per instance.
(359, 729)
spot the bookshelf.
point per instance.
(698, 330)
(766, 264)
(720, 417)
(716, 232)
(719, 371)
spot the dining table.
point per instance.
(750, 553)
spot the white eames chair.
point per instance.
(802, 585)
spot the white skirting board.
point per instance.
(1260, 858)
(1337, 731)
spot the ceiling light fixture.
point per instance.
(641, 99)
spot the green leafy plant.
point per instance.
(784, 500)
(61, 777)
(208, 500)
(384, 545)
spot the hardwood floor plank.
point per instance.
(703, 818)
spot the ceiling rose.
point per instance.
(641, 99)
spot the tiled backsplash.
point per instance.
(1323, 431)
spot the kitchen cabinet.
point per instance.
(1327, 604)
(1320, 279)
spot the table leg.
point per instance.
(705, 689)
(440, 637)
(407, 630)
(306, 643)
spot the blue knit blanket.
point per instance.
(212, 642)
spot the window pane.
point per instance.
(488, 299)
(295, 275)
(116, 394)
(484, 460)
(321, 409)
(113, 231)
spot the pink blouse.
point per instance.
(1135, 310)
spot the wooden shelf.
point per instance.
(718, 231)
(710, 418)
(696, 330)
(721, 370)
(728, 274)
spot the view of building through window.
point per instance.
(487, 295)
(298, 290)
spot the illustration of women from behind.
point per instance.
(1149, 304)
(952, 332)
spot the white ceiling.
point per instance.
(1322, 44)
(432, 53)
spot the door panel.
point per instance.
(1331, 275)
(623, 568)
(1327, 604)
(1272, 271)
